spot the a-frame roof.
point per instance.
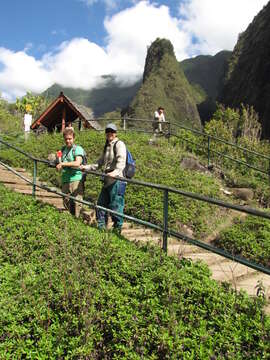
(52, 116)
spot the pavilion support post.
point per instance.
(63, 118)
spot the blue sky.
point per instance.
(75, 42)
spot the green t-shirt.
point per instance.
(69, 154)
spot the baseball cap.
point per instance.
(111, 126)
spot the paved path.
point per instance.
(240, 276)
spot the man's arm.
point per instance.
(76, 163)
(94, 166)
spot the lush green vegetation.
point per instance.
(70, 291)
(156, 164)
(9, 120)
(248, 238)
(242, 128)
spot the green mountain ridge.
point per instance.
(206, 75)
(247, 78)
(207, 72)
(101, 100)
(164, 84)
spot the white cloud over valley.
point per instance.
(215, 24)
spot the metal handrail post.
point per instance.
(34, 178)
(208, 150)
(165, 220)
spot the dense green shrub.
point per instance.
(68, 291)
(248, 238)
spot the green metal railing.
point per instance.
(166, 231)
(209, 140)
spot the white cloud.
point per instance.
(217, 23)
(109, 4)
(20, 73)
(80, 62)
(132, 30)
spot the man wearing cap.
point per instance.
(113, 158)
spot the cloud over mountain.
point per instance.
(201, 26)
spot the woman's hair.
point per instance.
(68, 131)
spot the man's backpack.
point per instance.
(130, 168)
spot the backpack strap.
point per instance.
(114, 148)
(73, 150)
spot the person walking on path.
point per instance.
(71, 157)
(113, 159)
(159, 117)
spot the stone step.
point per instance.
(11, 182)
(144, 239)
(250, 283)
(136, 231)
(20, 170)
(56, 203)
(39, 193)
(206, 257)
(182, 249)
(229, 271)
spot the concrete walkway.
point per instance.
(223, 270)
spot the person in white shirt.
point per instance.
(27, 122)
(158, 119)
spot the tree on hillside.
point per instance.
(234, 124)
(33, 104)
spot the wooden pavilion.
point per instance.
(62, 111)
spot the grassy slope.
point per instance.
(70, 291)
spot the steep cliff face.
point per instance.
(248, 77)
(164, 84)
(206, 74)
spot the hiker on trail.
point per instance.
(158, 119)
(113, 158)
(70, 159)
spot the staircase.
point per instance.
(222, 269)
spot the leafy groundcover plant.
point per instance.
(69, 291)
(249, 238)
